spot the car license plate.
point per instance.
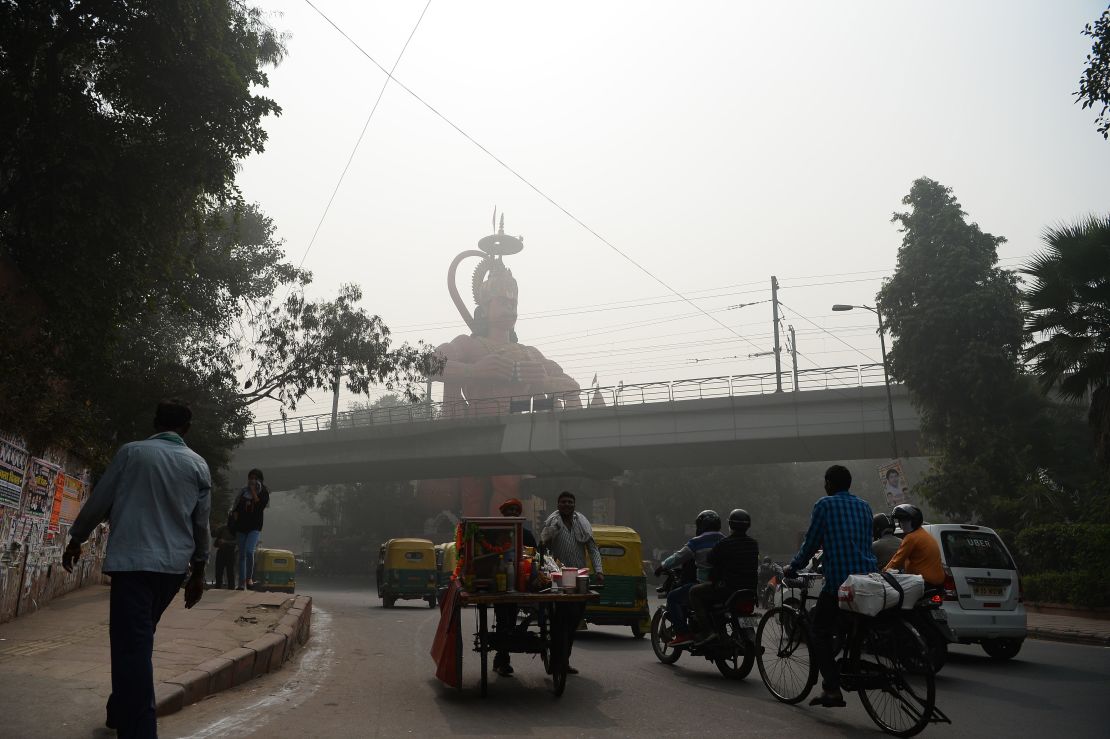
(939, 614)
(987, 590)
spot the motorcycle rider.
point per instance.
(886, 543)
(840, 524)
(707, 532)
(734, 563)
(919, 553)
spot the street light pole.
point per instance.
(886, 373)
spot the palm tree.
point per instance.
(1068, 319)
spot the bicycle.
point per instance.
(882, 658)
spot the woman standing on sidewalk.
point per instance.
(249, 505)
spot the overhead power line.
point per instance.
(526, 181)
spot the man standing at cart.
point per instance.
(506, 613)
(569, 535)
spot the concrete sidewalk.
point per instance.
(55, 663)
(1072, 629)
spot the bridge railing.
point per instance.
(826, 378)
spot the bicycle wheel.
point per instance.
(662, 632)
(896, 682)
(786, 663)
(737, 663)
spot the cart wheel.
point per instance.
(559, 680)
(637, 632)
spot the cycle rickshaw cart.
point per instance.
(483, 545)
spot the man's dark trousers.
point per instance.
(225, 567)
(826, 627)
(138, 600)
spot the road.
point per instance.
(367, 673)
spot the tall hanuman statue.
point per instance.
(489, 363)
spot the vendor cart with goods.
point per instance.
(494, 569)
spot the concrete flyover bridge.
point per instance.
(837, 413)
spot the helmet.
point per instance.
(707, 521)
(909, 516)
(881, 524)
(739, 520)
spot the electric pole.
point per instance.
(794, 355)
(778, 349)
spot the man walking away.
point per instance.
(568, 535)
(156, 495)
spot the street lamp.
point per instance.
(886, 376)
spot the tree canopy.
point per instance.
(1094, 86)
(958, 329)
(1068, 300)
(130, 267)
(121, 125)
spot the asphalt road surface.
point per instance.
(367, 672)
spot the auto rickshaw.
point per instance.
(624, 596)
(275, 569)
(407, 571)
(445, 566)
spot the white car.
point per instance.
(982, 588)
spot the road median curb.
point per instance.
(267, 653)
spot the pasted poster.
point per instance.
(72, 496)
(40, 488)
(56, 500)
(895, 486)
(28, 531)
(13, 463)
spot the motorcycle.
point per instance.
(733, 651)
(931, 621)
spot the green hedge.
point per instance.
(1088, 588)
(1063, 548)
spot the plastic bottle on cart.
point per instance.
(510, 576)
(500, 578)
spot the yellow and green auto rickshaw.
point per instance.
(275, 569)
(445, 566)
(407, 571)
(624, 596)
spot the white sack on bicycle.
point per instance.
(879, 591)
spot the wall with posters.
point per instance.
(39, 499)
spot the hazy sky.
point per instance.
(716, 144)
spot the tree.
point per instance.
(1094, 87)
(958, 331)
(120, 128)
(305, 346)
(1068, 303)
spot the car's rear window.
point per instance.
(975, 549)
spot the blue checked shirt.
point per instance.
(841, 525)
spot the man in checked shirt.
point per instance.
(841, 525)
(568, 535)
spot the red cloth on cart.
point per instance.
(444, 646)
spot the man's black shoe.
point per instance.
(829, 699)
(571, 670)
(505, 670)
